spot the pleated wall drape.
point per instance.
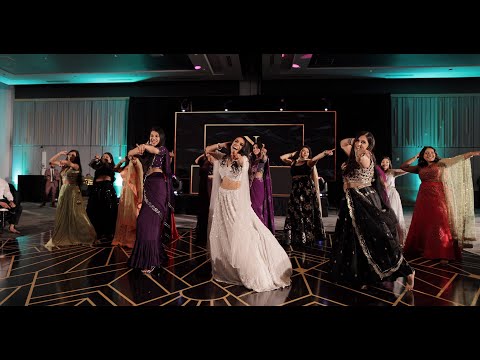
(91, 126)
(448, 122)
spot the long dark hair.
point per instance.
(245, 149)
(160, 132)
(352, 163)
(260, 146)
(76, 160)
(297, 155)
(389, 163)
(112, 164)
(421, 161)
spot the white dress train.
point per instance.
(243, 251)
(396, 204)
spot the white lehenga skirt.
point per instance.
(243, 251)
(396, 205)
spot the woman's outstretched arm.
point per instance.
(287, 158)
(317, 157)
(406, 165)
(140, 149)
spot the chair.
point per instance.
(3, 218)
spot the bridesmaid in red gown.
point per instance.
(430, 233)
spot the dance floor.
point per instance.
(98, 275)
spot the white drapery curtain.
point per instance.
(91, 126)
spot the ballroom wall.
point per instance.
(360, 104)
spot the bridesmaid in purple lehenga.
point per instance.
(154, 222)
(261, 186)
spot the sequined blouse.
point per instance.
(233, 171)
(69, 176)
(159, 159)
(150, 160)
(432, 173)
(361, 175)
(257, 165)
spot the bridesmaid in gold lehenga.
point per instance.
(130, 202)
(72, 226)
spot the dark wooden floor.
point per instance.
(32, 275)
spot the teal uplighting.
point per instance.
(75, 79)
(16, 171)
(20, 165)
(118, 183)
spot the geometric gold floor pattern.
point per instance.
(32, 275)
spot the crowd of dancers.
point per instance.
(235, 218)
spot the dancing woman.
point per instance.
(443, 218)
(393, 195)
(243, 251)
(130, 201)
(261, 186)
(155, 223)
(72, 225)
(102, 206)
(366, 248)
(303, 224)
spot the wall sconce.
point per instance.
(185, 105)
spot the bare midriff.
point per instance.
(230, 184)
(153, 170)
(103, 178)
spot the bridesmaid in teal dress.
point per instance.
(72, 226)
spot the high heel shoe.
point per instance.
(148, 271)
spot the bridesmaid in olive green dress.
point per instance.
(72, 226)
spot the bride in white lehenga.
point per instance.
(243, 251)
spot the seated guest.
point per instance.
(7, 201)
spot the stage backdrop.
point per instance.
(280, 131)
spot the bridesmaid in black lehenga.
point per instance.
(303, 223)
(102, 206)
(366, 250)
